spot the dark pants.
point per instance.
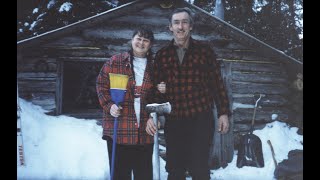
(136, 158)
(188, 146)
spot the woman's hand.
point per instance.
(115, 111)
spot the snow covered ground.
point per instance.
(64, 148)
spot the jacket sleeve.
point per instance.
(158, 76)
(103, 87)
(217, 84)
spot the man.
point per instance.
(188, 75)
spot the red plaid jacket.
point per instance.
(193, 86)
(128, 131)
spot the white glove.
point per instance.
(115, 111)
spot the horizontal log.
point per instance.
(25, 59)
(126, 33)
(45, 100)
(247, 88)
(237, 47)
(41, 67)
(85, 59)
(220, 42)
(267, 101)
(152, 11)
(241, 54)
(36, 64)
(243, 61)
(244, 128)
(263, 114)
(50, 108)
(256, 67)
(100, 53)
(259, 77)
(38, 52)
(227, 46)
(141, 20)
(47, 104)
(98, 47)
(37, 76)
(43, 96)
(30, 52)
(207, 30)
(106, 52)
(73, 40)
(101, 33)
(37, 86)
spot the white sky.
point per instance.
(64, 148)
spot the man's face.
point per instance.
(140, 45)
(180, 26)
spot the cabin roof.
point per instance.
(216, 24)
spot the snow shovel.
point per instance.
(250, 150)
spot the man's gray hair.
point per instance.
(179, 10)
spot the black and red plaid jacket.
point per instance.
(128, 131)
(193, 86)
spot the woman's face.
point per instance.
(140, 46)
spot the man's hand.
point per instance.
(162, 87)
(151, 127)
(223, 126)
(115, 111)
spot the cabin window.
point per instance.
(78, 88)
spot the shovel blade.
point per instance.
(250, 152)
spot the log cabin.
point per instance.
(57, 69)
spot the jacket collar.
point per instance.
(126, 59)
(191, 43)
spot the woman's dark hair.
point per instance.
(144, 32)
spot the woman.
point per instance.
(134, 147)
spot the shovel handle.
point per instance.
(254, 113)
